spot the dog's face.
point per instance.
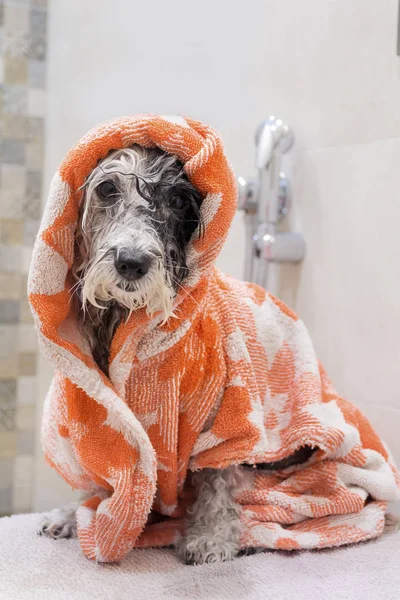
(138, 214)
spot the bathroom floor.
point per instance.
(35, 567)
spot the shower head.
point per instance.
(272, 135)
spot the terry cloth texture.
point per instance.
(37, 568)
(232, 379)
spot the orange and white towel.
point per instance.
(232, 379)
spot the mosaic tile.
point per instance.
(7, 416)
(34, 183)
(31, 205)
(34, 153)
(8, 340)
(25, 417)
(38, 21)
(11, 232)
(32, 202)
(27, 364)
(25, 443)
(36, 102)
(16, 19)
(8, 352)
(23, 30)
(15, 99)
(10, 285)
(35, 130)
(8, 444)
(26, 391)
(20, 2)
(31, 228)
(9, 367)
(15, 70)
(12, 151)
(13, 178)
(13, 126)
(25, 315)
(26, 258)
(24, 285)
(36, 73)
(10, 258)
(5, 501)
(27, 340)
(6, 472)
(9, 311)
(8, 405)
(8, 390)
(10, 206)
(23, 466)
(21, 499)
(38, 34)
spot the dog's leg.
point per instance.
(213, 529)
(59, 523)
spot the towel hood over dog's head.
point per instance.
(232, 379)
(200, 149)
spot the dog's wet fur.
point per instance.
(139, 210)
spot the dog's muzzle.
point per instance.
(132, 266)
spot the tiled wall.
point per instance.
(22, 107)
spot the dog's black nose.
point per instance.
(131, 266)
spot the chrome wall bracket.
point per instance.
(266, 202)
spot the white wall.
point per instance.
(330, 69)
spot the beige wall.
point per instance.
(330, 69)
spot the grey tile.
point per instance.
(37, 73)
(7, 417)
(32, 200)
(8, 391)
(6, 472)
(39, 20)
(25, 442)
(27, 364)
(38, 45)
(15, 99)
(10, 259)
(10, 208)
(8, 404)
(8, 347)
(34, 183)
(13, 126)
(35, 129)
(12, 151)
(9, 311)
(34, 155)
(5, 501)
(22, 498)
(10, 286)
(31, 227)
(19, 2)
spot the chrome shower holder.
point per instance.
(266, 202)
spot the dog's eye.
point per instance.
(177, 202)
(106, 189)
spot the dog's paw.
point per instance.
(206, 550)
(60, 523)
